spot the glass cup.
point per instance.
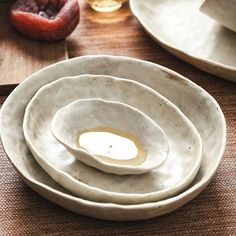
(105, 5)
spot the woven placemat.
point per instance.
(213, 212)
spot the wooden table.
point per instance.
(213, 212)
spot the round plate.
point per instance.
(196, 103)
(174, 175)
(184, 31)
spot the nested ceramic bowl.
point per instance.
(110, 136)
(173, 176)
(194, 101)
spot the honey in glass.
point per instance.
(105, 5)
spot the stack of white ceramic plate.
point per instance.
(181, 127)
(183, 30)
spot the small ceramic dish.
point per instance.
(175, 174)
(223, 11)
(198, 105)
(119, 138)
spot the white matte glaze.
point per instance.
(86, 114)
(223, 11)
(173, 176)
(200, 107)
(180, 27)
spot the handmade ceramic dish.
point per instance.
(195, 102)
(110, 136)
(184, 31)
(222, 11)
(178, 171)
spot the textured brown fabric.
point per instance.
(213, 212)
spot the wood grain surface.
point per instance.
(213, 212)
(20, 56)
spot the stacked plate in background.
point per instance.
(182, 29)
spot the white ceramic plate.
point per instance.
(196, 103)
(184, 31)
(174, 175)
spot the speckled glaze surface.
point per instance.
(184, 141)
(223, 11)
(183, 30)
(196, 103)
(92, 113)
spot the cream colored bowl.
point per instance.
(124, 140)
(178, 171)
(195, 102)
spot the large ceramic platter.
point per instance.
(196, 103)
(174, 175)
(184, 31)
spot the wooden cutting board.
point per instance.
(20, 56)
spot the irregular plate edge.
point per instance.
(59, 197)
(58, 174)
